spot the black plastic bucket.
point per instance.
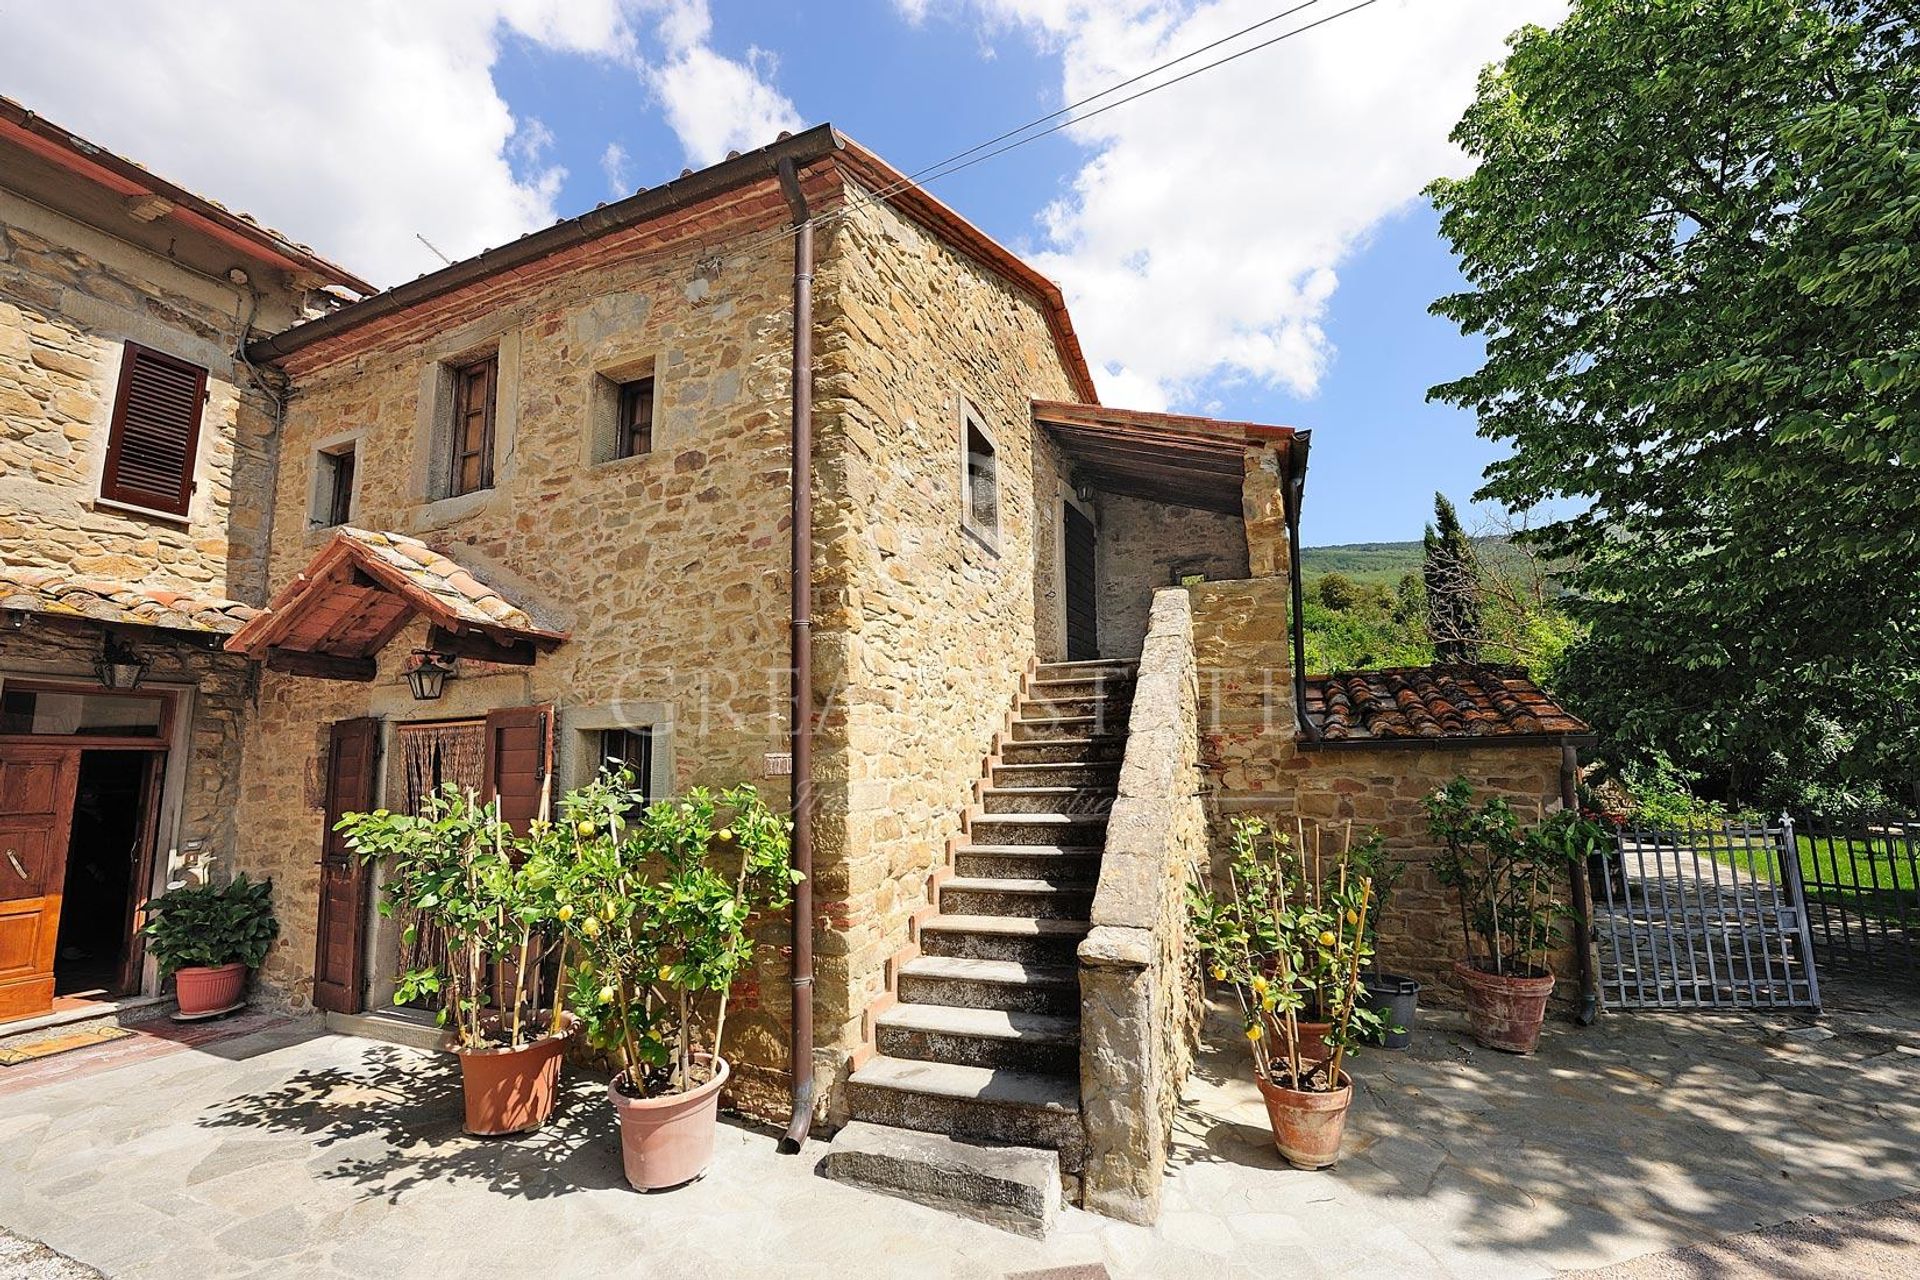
(1397, 998)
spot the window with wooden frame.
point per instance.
(633, 429)
(475, 389)
(632, 750)
(979, 478)
(155, 435)
(333, 485)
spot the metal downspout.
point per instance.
(1582, 894)
(800, 677)
(1296, 492)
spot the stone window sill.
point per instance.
(145, 513)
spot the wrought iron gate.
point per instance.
(1862, 882)
(1704, 919)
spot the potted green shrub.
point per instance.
(1393, 996)
(458, 868)
(657, 907)
(1506, 883)
(1291, 939)
(208, 939)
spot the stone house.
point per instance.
(1047, 647)
(135, 453)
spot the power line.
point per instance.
(959, 161)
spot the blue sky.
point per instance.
(917, 92)
(1250, 243)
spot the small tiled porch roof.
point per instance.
(365, 586)
(57, 594)
(1176, 458)
(1418, 706)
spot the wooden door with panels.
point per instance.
(340, 934)
(37, 785)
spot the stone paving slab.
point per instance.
(287, 1151)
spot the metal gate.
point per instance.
(1704, 919)
(1862, 882)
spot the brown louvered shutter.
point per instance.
(519, 758)
(156, 431)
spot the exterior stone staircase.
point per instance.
(983, 1043)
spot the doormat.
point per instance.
(57, 1040)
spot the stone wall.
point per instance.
(922, 631)
(70, 298)
(1381, 789)
(1140, 995)
(671, 569)
(1144, 546)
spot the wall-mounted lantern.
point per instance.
(119, 666)
(427, 672)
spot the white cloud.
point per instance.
(715, 104)
(357, 125)
(614, 163)
(1200, 240)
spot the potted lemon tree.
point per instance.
(1506, 882)
(1288, 941)
(209, 939)
(657, 906)
(458, 868)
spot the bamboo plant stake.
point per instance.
(1353, 976)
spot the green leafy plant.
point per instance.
(1505, 881)
(657, 909)
(208, 926)
(458, 868)
(1290, 940)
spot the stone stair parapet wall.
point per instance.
(1140, 993)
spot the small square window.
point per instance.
(333, 486)
(633, 430)
(980, 478)
(632, 750)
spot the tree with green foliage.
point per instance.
(1692, 245)
(1451, 572)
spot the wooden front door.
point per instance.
(1083, 633)
(340, 939)
(36, 821)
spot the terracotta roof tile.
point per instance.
(59, 594)
(465, 596)
(1438, 702)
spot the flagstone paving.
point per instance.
(286, 1151)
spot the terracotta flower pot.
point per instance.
(201, 989)
(1504, 1012)
(667, 1141)
(1307, 1127)
(1313, 1041)
(513, 1090)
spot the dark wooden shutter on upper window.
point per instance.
(519, 752)
(474, 391)
(636, 418)
(156, 431)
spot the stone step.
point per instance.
(1093, 686)
(1027, 862)
(1014, 1188)
(990, 984)
(1068, 727)
(1117, 708)
(1088, 829)
(1104, 775)
(1063, 751)
(1125, 668)
(1083, 800)
(972, 1103)
(1044, 1042)
(1027, 939)
(996, 896)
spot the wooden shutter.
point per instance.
(156, 431)
(340, 940)
(519, 758)
(475, 390)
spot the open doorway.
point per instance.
(95, 956)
